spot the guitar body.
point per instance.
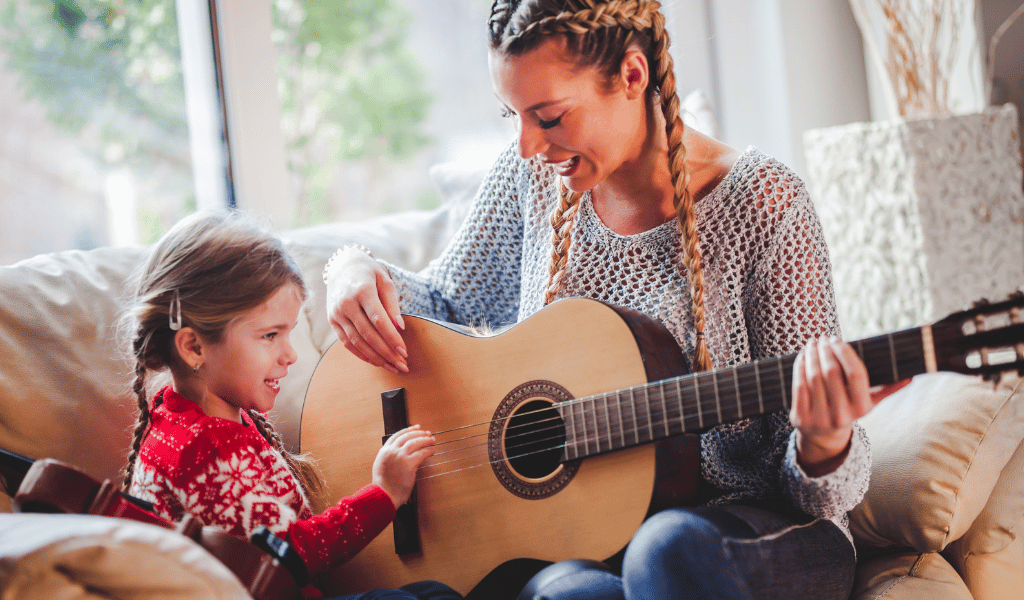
(474, 515)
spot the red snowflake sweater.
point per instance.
(226, 474)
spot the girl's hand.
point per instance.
(394, 469)
(362, 307)
(830, 392)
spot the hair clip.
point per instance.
(174, 312)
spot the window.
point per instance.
(375, 92)
(94, 148)
(114, 128)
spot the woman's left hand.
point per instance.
(830, 391)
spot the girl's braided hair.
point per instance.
(598, 34)
(217, 267)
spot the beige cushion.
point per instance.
(908, 576)
(78, 557)
(939, 446)
(1000, 522)
(991, 576)
(63, 384)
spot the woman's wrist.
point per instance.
(818, 457)
(337, 253)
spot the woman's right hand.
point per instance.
(398, 460)
(362, 307)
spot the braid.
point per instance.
(683, 200)
(141, 425)
(633, 15)
(300, 465)
(562, 218)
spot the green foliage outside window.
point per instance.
(351, 93)
(109, 73)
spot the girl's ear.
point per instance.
(189, 346)
(635, 73)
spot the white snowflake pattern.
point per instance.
(274, 501)
(235, 475)
(145, 484)
(150, 486)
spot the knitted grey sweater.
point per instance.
(768, 289)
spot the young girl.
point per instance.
(215, 305)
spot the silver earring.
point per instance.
(174, 312)
(195, 369)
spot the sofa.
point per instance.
(943, 517)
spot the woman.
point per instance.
(607, 195)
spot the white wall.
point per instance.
(824, 59)
(785, 66)
(693, 46)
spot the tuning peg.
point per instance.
(982, 303)
(1016, 295)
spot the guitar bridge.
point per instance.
(406, 526)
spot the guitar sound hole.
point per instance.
(526, 440)
(534, 440)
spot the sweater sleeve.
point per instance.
(476, 280)
(836, 493)
(341, 531)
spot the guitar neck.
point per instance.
(691, 403)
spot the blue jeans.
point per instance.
(730, 552)
(421, 590)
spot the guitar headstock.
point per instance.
(986, 339)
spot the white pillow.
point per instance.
(65, 389)
(87, 557)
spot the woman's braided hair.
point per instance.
(598, 34)
(218, 267)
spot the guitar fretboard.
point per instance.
(696, 402)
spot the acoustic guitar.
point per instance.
(557, 437)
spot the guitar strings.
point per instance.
(492, 421)
(884, 364)
(556, 424)
(654, 417)
(627, 424)
(544, 449)
(486, 463)
(678, 409)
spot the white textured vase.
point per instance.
(922, 217)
